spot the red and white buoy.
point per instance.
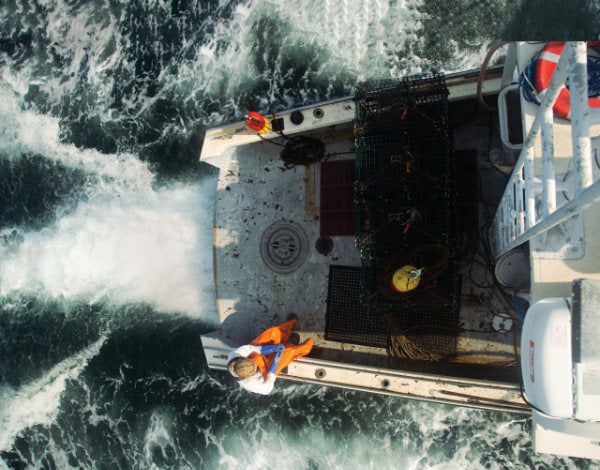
(257, 122)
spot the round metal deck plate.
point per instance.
(284, 246)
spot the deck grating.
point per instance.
(347, 319)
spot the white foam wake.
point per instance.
(127, 242)
(152, 247)
(38, 402)
(25, 131)
(347, 38)
(87, 39)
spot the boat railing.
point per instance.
(528, 206)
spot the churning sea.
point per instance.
(106, 217)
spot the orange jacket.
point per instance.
(275, 335)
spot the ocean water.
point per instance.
(105, 229)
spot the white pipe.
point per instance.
(582, 148)
(548, 175)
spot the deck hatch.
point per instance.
(337, 198)
(284, 246)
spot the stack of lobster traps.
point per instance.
(406, 214)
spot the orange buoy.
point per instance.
(546, 65)
(256, 122)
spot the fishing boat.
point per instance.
(436, 235)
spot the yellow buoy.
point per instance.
(406, 278)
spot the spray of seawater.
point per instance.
(149, 247)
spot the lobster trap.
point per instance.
(406, 213)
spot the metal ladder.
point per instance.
(528, 206)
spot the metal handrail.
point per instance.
(515, 221)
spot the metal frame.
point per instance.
(515, 221)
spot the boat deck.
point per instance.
(261, 205)
(313, 238)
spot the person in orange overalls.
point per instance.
(256, 365)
